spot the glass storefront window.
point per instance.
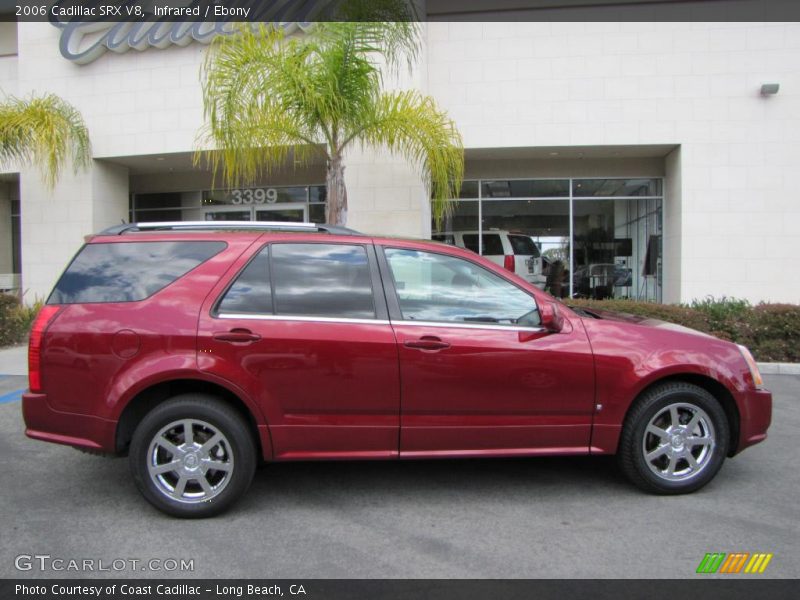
(601, 241)
(525, 188)
(616, 187)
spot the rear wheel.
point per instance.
(192, 456)
(674, 440)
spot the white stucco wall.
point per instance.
(690, 84)
(730, 215)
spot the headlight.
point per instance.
(751, 363)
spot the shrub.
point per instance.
(15, 319)
(770, 331)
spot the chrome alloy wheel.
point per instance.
(190, 461)
(678, 442)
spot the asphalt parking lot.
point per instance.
(520, 518)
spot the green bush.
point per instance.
(770, 331)
(15, 319)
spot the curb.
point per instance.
(779, 368)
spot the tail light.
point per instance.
(509, 263)
(43, 319)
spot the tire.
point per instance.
(182, 481)
(661, 457)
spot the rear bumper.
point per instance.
(81, 431)
(756, 418)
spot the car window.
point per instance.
(445, 238)
(128, 271)
(325, 280)
(492, 244)
(523, 245)
(251, 292)
(436, 287)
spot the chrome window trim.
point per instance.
(262, 317)
(460, 325)
(309, 319)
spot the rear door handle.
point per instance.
(427, 342)
(237, 335)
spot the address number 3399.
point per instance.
(254, 196)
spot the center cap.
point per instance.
(677, 441)
(190, 461)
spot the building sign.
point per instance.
(83, 41)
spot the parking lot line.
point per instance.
(11, 396)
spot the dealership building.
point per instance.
(656, 160)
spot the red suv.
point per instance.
(198, 349)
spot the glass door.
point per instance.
(295, 212)
(229, 214)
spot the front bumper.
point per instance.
(81, 431)
(756, 417)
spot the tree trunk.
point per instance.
(336, 209)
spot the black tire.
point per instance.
(180, 492)
(666, 443)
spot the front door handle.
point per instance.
(237, 336)
(428, 342)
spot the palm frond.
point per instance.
(46, 131)
(411, 125)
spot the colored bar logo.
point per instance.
(733, 563)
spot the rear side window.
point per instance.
(251, 291)
(322, 280)
(492, 244)
(523, 246)
(129, 271)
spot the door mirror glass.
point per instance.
(551, 317)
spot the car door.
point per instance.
(303, 331)
(478, 374)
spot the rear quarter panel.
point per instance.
(97, 356)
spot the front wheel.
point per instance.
(674, 440)
(192, 456)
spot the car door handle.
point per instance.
(426, 343)
(237, 335)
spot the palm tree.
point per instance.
(43, 130)
(268, 97)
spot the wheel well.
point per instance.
(716, 389)
(147, 399)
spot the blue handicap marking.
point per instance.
(14, 396)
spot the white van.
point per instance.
(517, 252)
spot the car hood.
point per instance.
(622, 317)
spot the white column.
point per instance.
(54, 222)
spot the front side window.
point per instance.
(322, 280)
(128, 271)
(441, 288)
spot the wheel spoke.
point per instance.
(673, 462)
(180, 486)
(188, 433)
(218, 465)
(204, 484)
(169, 447)
(693, 422)
(674, 416)
(657, 452)
(698, 441)
(691, 460)
(658, 432)
(213, 441)
(165, 468)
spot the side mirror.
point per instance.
(551, 318)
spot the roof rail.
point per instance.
(228, 225)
